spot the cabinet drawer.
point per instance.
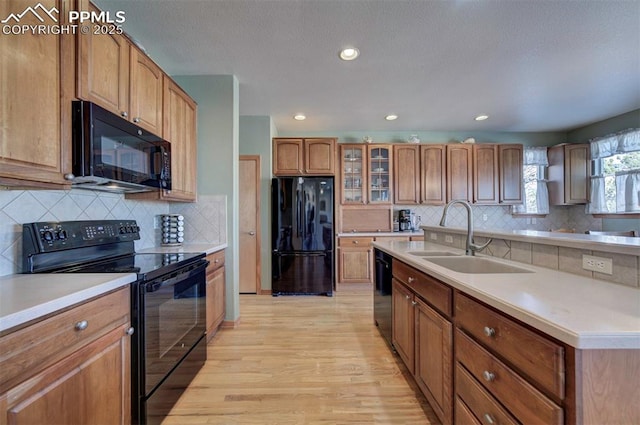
(526, 403)
(531, 354)
(354, 242)
(217, 260)
(29, 350)
(432, 291)
(464, 415)
(481, 404)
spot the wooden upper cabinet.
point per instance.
(569, 173)
(298, 157)
(406, 174)
(145, 89)
(433, 174)
(459, 172)
(38, 83)
(103, 68)
(511, 185)
(288, 157)
(380, 172)
(353, 173)
(180, 115)
(485, 174)
(320, 156)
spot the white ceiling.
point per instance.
(532, 65)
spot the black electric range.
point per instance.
(168, 304)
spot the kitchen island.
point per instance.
(560, 348)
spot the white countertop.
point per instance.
(380, 234)
(582, 312)
(616, 244)
(188, 247)
(26, 297)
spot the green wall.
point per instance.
(255, 139)
(217, 98)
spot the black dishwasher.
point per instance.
(382, 294)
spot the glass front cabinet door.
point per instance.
(353, 174)
(379, 188)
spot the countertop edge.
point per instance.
(578, 340)
(37, 311)
(207, 248)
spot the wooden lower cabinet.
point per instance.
(355, 260)
(434, 359)
(423, 338)
(56, 373)
(403, 323)
(215, 293)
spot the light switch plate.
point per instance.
(433, 236)
(597, 264)
(448, 239)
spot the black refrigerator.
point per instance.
(302, 220)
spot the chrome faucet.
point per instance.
(471, 247)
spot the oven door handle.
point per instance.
(178, 276)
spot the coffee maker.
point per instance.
(404, 220)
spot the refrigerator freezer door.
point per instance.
(303, 273)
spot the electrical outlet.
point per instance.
(433, 236)
(448, 239)
(484, 217)
(597, 264)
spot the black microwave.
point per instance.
(112, 154)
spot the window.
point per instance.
(536, 195)
(615, 184)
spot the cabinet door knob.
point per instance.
(252, 233)
(488, 376)
(488, 419)
(124, 114)
(414, 303)
(490, 332)
(355, 242)
(81, 325)
(217, 260)
(136, 119)
(410, 279)
(407, 296)
(130, 331)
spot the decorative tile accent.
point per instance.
(545, 256)
(499, 248)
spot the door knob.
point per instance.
(252, 233)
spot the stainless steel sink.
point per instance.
(433, 253)
(473, 265)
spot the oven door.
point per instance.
(173, 312)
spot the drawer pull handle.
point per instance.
(130, 331)
(490, 332)
(81, 325)
(217, 260)
(410, 279)
(488, 376)
(488, 419)
(355, 242)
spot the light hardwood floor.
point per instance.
(302, 360)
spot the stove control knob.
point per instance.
(62, 235)
(48, 236)
(122, 230)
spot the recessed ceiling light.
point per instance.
(299, 117)
(349, 53)
(482, 117)
(391, 117)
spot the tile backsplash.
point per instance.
(500, 218)
(205, 220)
